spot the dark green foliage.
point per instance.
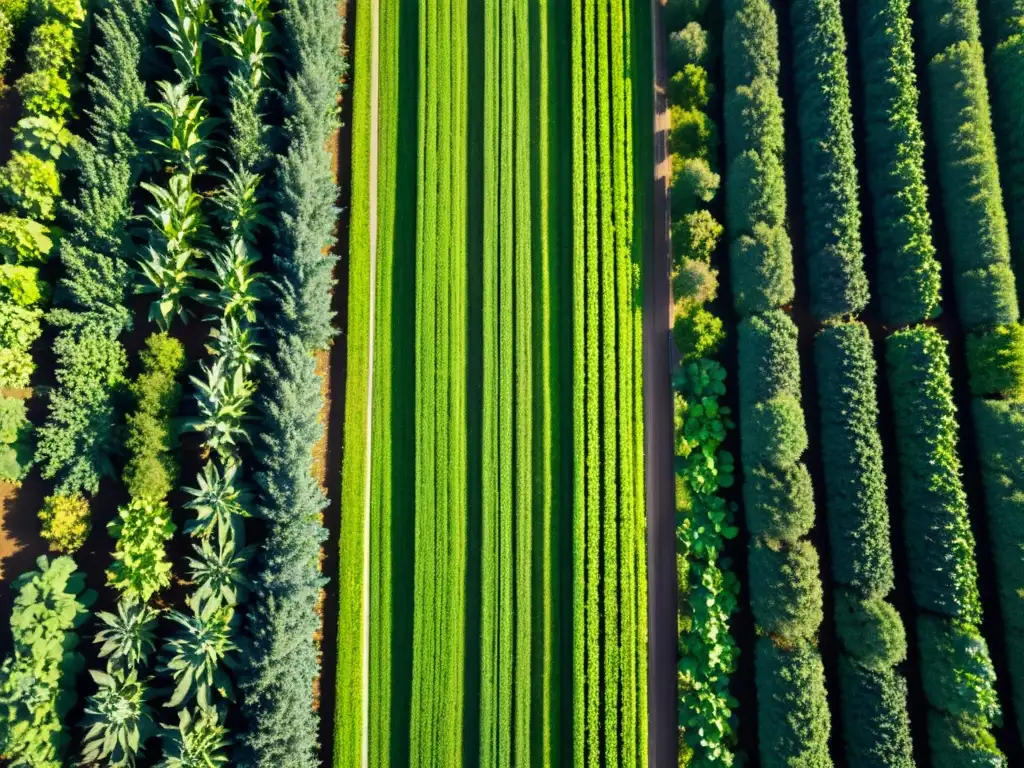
(793, 715)
(751, 42)
(876, 728)
(756, 192)
(769, 363)
(688, 45)
(152, 469)
(870, 630)
(779, 503)
(956, 669)
(948, 22)
(1000, 430)
(81, 431)
(956, 743)
(970, 177)
(839, 285)
(774, 432)
(908, 282)
(995, 360)
(762, 270)
(986, 296)
(858, 516)
(282, 727)
(940, 544)
(785, 590)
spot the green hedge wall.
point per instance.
(1000, 430)
(876, 726)
(838, 283)
(909, 280)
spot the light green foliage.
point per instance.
(24, 241)
(15, 440)
(223, 398)
(956, 670)
(688, 45)
(692, 134)
(128, 637)
(219, 572)
(65, 522)
(698, 332)
(22, 286)
(16, 368)
(199, 739)
(118, 719)
(37, 679)
(219, 501)
(43, 136)
(695, 236)
(140, 567)
(199, 656)
(152, 470)
(30, 184)
(995, 360)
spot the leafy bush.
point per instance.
(779, 502)
(876, 727)
(692, 133)
(16, 368)
(940, 544)
(839, 285)
(948, 22)
(1000, 429)
(37, 679)
(688, 45)
(690, 88)
(858, 514)
(695, 236)
(129, 637)
(15, 440)
(870, 630)
(200, 738)
(956, 669)
(21, 285)
(23, 241)
(697, 332)
(995, 360)
(65, 522)
(986, 296)
(769, 363)
(785, 590)
(762, 270)
(793, 716)
(200, 654)
(19, 326)
(117, 718)
(956, 742)
(152, 470)
(693, 184)
(775, 432)
(81, 432)
(140, 567)
(909, 280)
(30, 184)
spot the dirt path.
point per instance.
(658, 425)
(374, 94)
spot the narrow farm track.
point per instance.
(658, 426)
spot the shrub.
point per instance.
(956, 669)
(690, 88)
(995, 360)
(141, 567)
(1000, 429)
(152, 469)
(697, 332)
(679, 12)
(695, 235)
(940, 544)
(695, 282)
(19, 327)
(858, 514)
(870, 630)
(985, 296)
(751, 42)
(756, 190)
(754, 122)
(81, 432)
(839, 285)
(785, 590)
(774, 432)
(52, 46)
(948, 22)
(688, 45)
(956, 742)
(15, 440)
(30, 184)
(876, 727)
(692, 133)
(16, 368)
(37, 679)
(762, 270)
(909, 280)
(769, 363)
(65, 522)
(693, 184)
(21, 285)
(23, 241)
(793, 716)
(779, 502)
(45, 92)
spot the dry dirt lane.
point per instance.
(658, 439)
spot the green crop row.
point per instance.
(908, 282)
(940, 549)
(838, 283)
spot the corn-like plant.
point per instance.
(223, 399)
(234, 343)
(219, 504)
(199, 655)
(218, 572)
(129, 636)
(117, 718)
(186, 30)
(200, 740)
(239, 204)
(184, 138)
(238, 288)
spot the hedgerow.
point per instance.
(1000, 430)
(909, 282)
(858, 516)
(876, 726)
(785, 590)
(277, 692)
(839, 285)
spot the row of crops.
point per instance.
(176, 151)
(875, 321)
(506, 539)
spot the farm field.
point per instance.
(511, 383)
